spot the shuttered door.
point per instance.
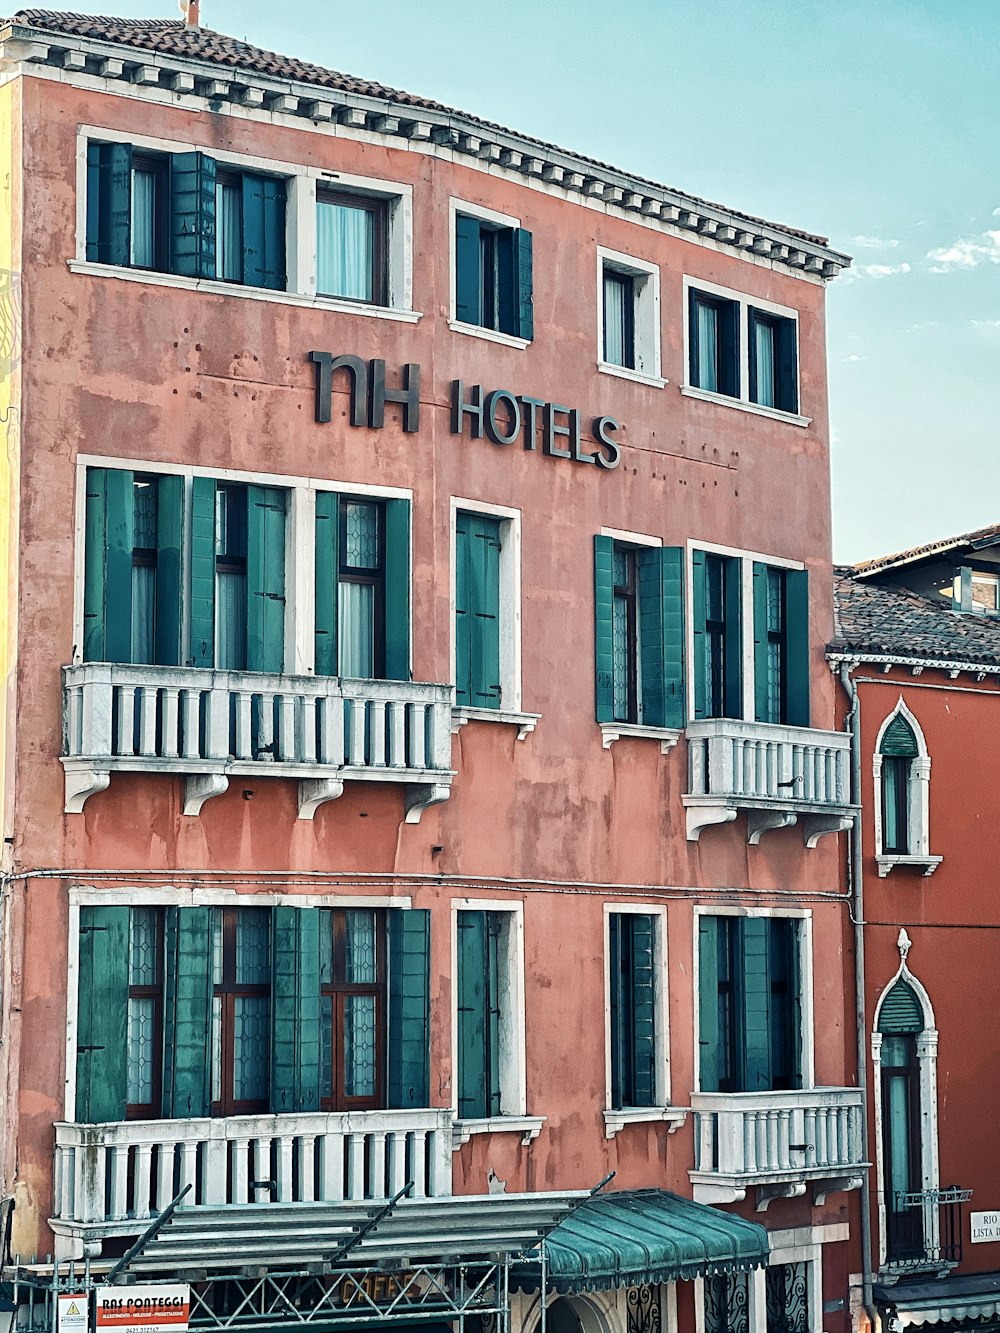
(756, 994)
(192, 215)
(295, 1000)
(397, 589)
(169, 534)
(102, 1015)
(109, 203)
(477, 611)
(524, 311)
(661, 635)
(409, 1008)
(265, 579)
(643, 1010)
(187, 1012)
(797, 647)
(708, 1003)
(468, 289)
(202, 610)
(760, 678)
(733, 611)
(699, 618)
(478, 1014)
(264, 246)
(107, 599)
(327, 570)
(788, 366)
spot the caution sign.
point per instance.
(73, 1314)
(164, 1308)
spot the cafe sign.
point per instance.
(504, 417)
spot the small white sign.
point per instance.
(985, 1227)
(73, 1314)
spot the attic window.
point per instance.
(975, 591)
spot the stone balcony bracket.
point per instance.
(671, 1116)
(528, 1126)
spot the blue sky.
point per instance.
(876, 124)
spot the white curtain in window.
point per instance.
(708, 347)
(143, 603)
(344, 256)
(229, 232)
(614, 320)
(231, 622)
(143, 219)
(764, 353)
(356, 630)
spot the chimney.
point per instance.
(189, 8)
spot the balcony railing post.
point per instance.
(217, 722)
(97, 712)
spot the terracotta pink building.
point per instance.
(423, 786)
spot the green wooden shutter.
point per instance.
(169, 534)
(787, 377)
(494, 940)
(524, 313)
(109, 203)
(295, 1009)
(661, 635)
(397, 589)
(107, 596)
(729, 348)
(202, 608)
(604, 592)
(900, 1011)
(752, 322)
(733, 576)
(694, 349)
(755, 988)
(708, 1003)
(760, 641)
(477, 611)
(467, 270)
(472, 1015)
(102, 1015)
(192, 215)
(619, 1012)
(327, 573)
(797, 647)
(264, 246)
(699, 618)
(898, 739)
(642, 930)
(409, 1008)
(187, 1013)
(265, 579)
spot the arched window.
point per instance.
(904, 1056)
(902, 771)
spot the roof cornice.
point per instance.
(196, 81)
(836, 656)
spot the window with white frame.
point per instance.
(491, 273)
(629, 314)
(637, 1042)
(486, 620)
(741, 348)
(901, 768)
(488, 1029)
(154, 206)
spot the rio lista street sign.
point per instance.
(985, 1227)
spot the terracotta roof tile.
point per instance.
(978, 537)
(170, 37)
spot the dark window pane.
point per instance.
(359, 947)
(251, 1047)
(229, 230)
(619, 299)
(707, 334)
(253, 946)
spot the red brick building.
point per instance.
(422, 766)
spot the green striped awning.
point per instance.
(639, 1237)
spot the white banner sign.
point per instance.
(163, 1308)
(985, 1226)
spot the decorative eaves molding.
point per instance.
(451, 131)
(856, 657)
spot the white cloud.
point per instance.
(854, 357)
(881, 270)
(966, 253)
(875, 243)
(987, 325)
(996, 212)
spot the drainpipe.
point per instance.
(852, 725)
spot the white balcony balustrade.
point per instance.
(777, 775)
(778, 1142)
(111, 1179)
(210, 725)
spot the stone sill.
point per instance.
(525, 722)
(528, 1126)
(672, 1116)
(741, 405)
(489, 335)
(636, 376)
(925, 864)
(616, 731)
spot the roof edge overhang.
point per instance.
(848, 656)
(25, 44)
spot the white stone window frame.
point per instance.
(303, 183)
(500, 220)
(661, 1110)
(748, 559)
(169, 895)
(513, 1115)
(510, 617)
(927, 1052)
(918, 801)
(645, 317)
(792, 1246)
(806, 1007)
(300, 546)
(746, 304)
